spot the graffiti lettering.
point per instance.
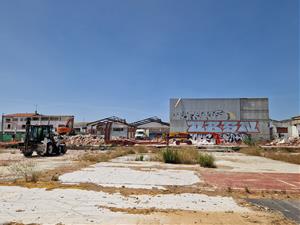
(223, 126)
(233, 138)
(224, 138)
(203, 138)
(212, 115)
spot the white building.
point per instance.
(16, 123)
(154, 127)
(111, 127)
(285, 128)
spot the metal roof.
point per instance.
(109, 119)
(149, 120)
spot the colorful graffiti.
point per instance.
(233, 138)
(223, 126)
(212, 115)
(215, 138)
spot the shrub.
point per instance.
(182, 156)
(247, 190)
(236, 148)
(170, 156)
(249, 141)
(139, 158)
(26, 170)
(35, 176)
(55, 177)
(206, 160)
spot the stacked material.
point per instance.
(84, 140)
(291, 141)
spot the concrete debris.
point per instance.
(84, 140)
(291, 141)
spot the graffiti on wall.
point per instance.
(233, 137)
(221, 138)
(223, 126)
(211, 115)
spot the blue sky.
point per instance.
(99, 58)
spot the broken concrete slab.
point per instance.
(86, 207)
(112, 174)
(237, 162)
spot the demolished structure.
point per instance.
(111, 128)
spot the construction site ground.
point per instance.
(125, 191)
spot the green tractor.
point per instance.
(42, 140)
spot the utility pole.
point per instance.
(2, 126)
(36, 107)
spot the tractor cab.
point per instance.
(42, 140)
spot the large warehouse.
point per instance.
(221, 119)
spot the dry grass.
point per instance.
(207, 160)
(278, 154)
(141, 149)
(185, 156)
(286, 157)
(97, 157)
(179, 156)
(25, 170)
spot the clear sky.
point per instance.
(98, 58)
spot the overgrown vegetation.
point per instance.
(236, 148)
(249, 141)
(25, 170)
(187, 156)
(96, 156)
(280, 154)
(206, 160)
(139, 158)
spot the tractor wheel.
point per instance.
(41, 150)
(63, 149)
(189, 142)
(27, 154)
(50, 149)
(177, 142)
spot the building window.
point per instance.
(35, 118)
(118, 129)
(8, 126)
(15, 119)
(7, 120)
(45, 118)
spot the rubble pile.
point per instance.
(84, 140)
(291, 141)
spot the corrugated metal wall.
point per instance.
(236, 115)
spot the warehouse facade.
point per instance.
(225, 119)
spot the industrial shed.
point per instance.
(154, 127)
(112, 127)
(228, 119)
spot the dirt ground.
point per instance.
(126, 191)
